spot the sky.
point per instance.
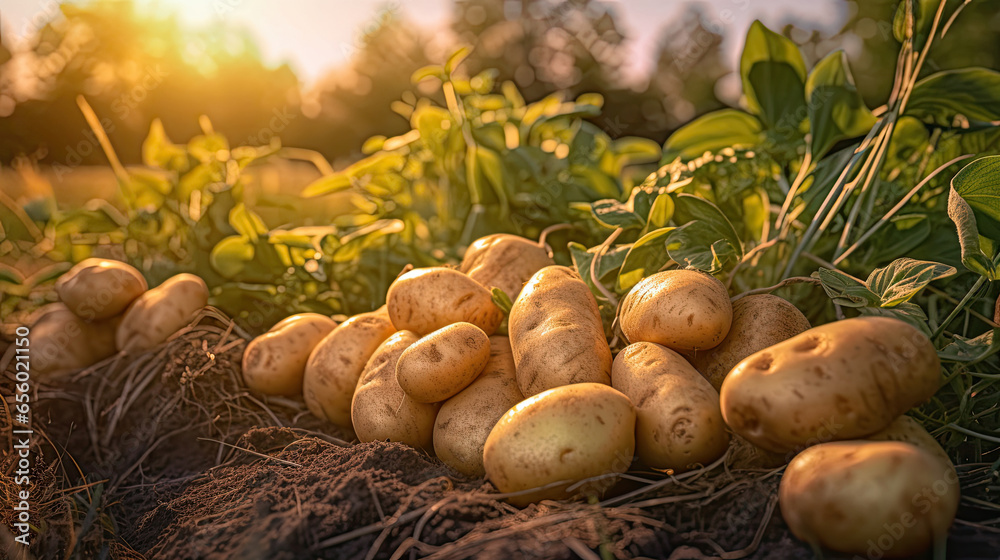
(313, 36)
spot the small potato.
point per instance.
(427, 299)
(683, 310)
(61, 342)
(274, 363)
(569, 433)
(335, 365)
(556, 333)
(678, 422)
(465, 420)
(504, 261)
(97, 289)
(759, 321)
(443, 363)
(381, 410)
(908, 430)
(878, 499)
(161, 312)
(842, 380)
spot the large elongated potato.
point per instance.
(381, 410)
(842, 380)
(161, 312)
(759, 321)
(335, 365)
(465, 420)
(504, 261)
(678, 422)
(274, 363)
(569, 433)
(879, 499)
(683, 310)
(443, 363)
(557, 334)
(97, 289)
(61, 342)
(427, 299)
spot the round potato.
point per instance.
(335, 365)
(274, 363)
(62, 342)
(908, 430)
(427, 299)
(678, 422)
(443, 363)
(381, 410)
(566, 434)
(161, 312)
(96, 289)
(842, 380)
(879, 499)
(683, 310)
(759, 321)
(504, 261)
(556, 333)
(465, 420)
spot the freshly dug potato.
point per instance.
(98, 289)
(443, 363)
(465, 420)
(842, 380)
(62, 342)
(683, 310)
(161, 312)
(556, 333)
(759, 321)
(427, 299)
(567, 434)
(335, 365)
(879, 499)
(678, 422)
(274, 363)
(908, 430)
(504, 261)
(381, 410)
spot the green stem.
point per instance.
(958, 309)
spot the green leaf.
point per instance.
(230, 256)
(969, 92)
(705, 238)
(327, 184)
(502, 300)
(845, 289)
(836, 109)
(492, 168)
(903, 278)
(613, 214)
(974, 206)
(971, 350)
(908, 312)
(645, 257)
(773, 75)
(661, 211)
(246, 223)
(455, 59)
(353, 244)
(159, 151)
(711, 133)
(431, 71)
(10, 275)
(914, 17)
(610, 263)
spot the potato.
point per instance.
(842, 380)
(683, 310)
(274, 363)
(61, 342)
(759, 321)
(678, 422)
(908, 430)
(96, 289)
(443, 363)
(879, 499)
(465, 420)
(381, 410)
(556, 333)
(335, 365)
(504, 261)
(161, 312)
(427, 299)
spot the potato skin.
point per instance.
(683, 310)
(335, 364)
(381, 410)
(879, 499)
(504, 261)
(678, 421)
(443, 363)
(96, 289)
(427, 299)
(759, 321)
(568, 433)
(556, 333)
(842, 380)
(465, 420)
(62, 342)
(161, 312)
(274, 363)
(908, 430)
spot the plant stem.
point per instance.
(958, 309)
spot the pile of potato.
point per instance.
(106, 307)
